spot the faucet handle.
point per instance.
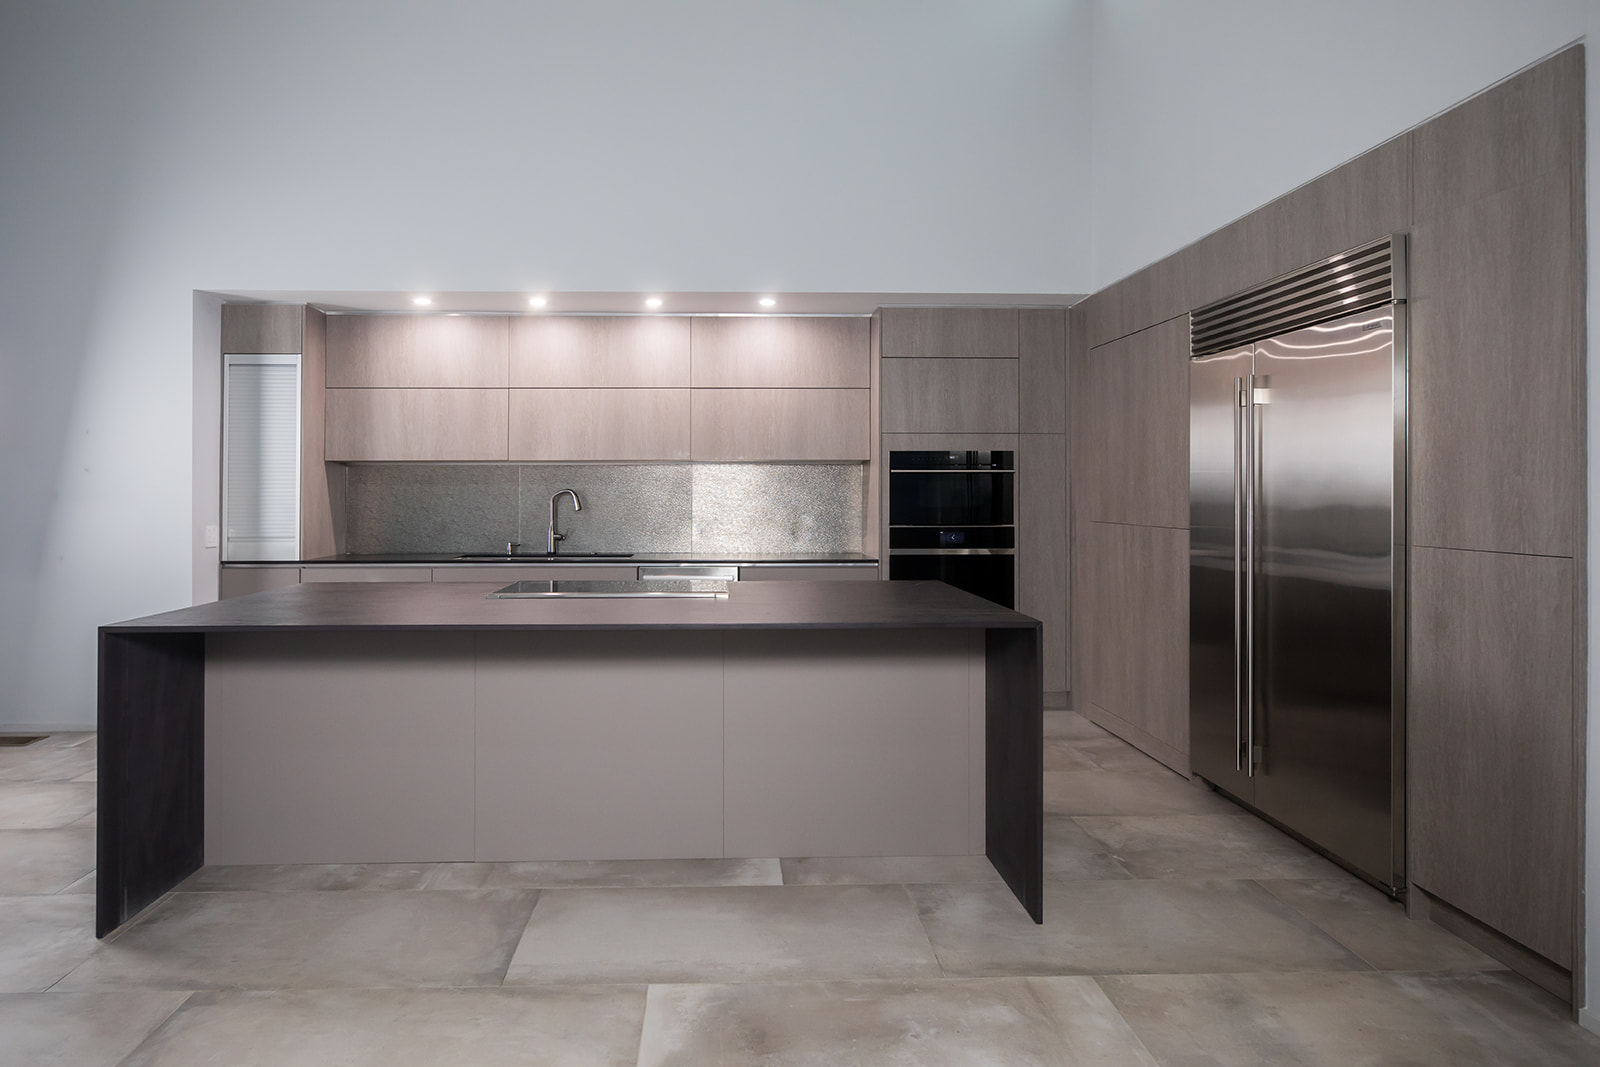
(512, 546)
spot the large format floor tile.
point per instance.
(249, 940)
(1124, 927)
(43, 861)
(382, 1028)
(43, 762)
(1019, 1022)
(1070, 855)
(888, 870)
(1245, 1020)
(740, 934)
(610, 874)
(79, 1029)
(42, 938)
(44, 805)
(1069, 724)
(307, 876)
(1204, 846)
(1376, 928)
(1100, 792)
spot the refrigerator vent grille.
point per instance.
(1349, 282)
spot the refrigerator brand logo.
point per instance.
(1371, 326)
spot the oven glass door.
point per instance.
(989, 575)
(950, 498)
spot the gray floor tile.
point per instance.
(1121, 927)
(744, 933)
(1111, 753)
(42, 938)
(44, 805)
(1376, 928)
(1070, 855)
(611, 874)
(888, 870)
(309, 876)
(414, 1028)
(1063, 754)
(43, 861)
(250, 940)
(1338, 1019)
(46, 763)
(1071, 724)
(79, 1029)
(1015, 1021)
(85, 884)
(1204, 846)
(1102, 792)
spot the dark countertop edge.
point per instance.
(1022, 623)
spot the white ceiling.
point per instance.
(633, 303)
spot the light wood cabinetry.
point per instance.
(417, 351)
(810, 573)
(781, 424)
(1043, 583)
(600, 352)
(375, 572)
(1136, 423)
(781, 352)
(416, 424)
(241, 581)
(263, 329)
(599, 424)
(1042, 371)
(950, 333)
(1153, 295)
(949, 396)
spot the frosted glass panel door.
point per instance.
(261, 457)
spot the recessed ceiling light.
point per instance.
(652, 302)
(767, 302)
(422, 301)
(537, 301)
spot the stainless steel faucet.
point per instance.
(553, 537)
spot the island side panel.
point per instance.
(339, 747)
(1015, 755)
(848, 743)
(599, 745)
(151, 821)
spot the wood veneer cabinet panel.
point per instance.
(1138, 410)
(949, 396)
(781, 352)
(1042, 371)
(1507, 136)
(416, 424)
(950, 333)
(321, 490)
(599, 424)
(782, 424)
(1154, 294)
(262, 329)
(1490, 733)
(1042, 573)
(600, 351)
(417, 351)
(1496, 373)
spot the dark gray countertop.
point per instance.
(464, 606)
(436, 559)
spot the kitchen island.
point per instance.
(427, 723)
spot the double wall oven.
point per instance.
(951, 519)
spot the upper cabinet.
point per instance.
(417, 351)
(1042, 370)
(950, 333)
(600, 352)
(781, 352)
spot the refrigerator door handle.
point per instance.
(1239, 673)
(1252, 481)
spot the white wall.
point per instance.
(149, 150)
(1203, 112)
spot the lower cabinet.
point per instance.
(241, 581)
(375, 572)
(810, 573)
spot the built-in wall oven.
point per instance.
(951, 519)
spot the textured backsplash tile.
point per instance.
(778, 507)
(720, 508)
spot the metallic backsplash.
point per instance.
(717, 508)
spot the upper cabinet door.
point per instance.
(949, 396)
(1042, 371)
(782, 352)
(374, 425)
(731, 425)
(417, 351)
(600, 352)
(950, 333)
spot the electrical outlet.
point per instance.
(211, 536)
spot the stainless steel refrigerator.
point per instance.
(1297, 462)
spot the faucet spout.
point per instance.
(551, 535)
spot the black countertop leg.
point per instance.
(151, 824)
(1014, 760)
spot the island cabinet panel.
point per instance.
(808, 771)
(416, 424)
(599, 746)
(1042, 371)
(782, 352)
(1495, 800)
(417, 351)
(950, 333)
(357, 755)
(600, 352)
(949, 396)
(782, 424)
(599, 424)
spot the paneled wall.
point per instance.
(1491, 194)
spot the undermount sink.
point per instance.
(547, 556)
